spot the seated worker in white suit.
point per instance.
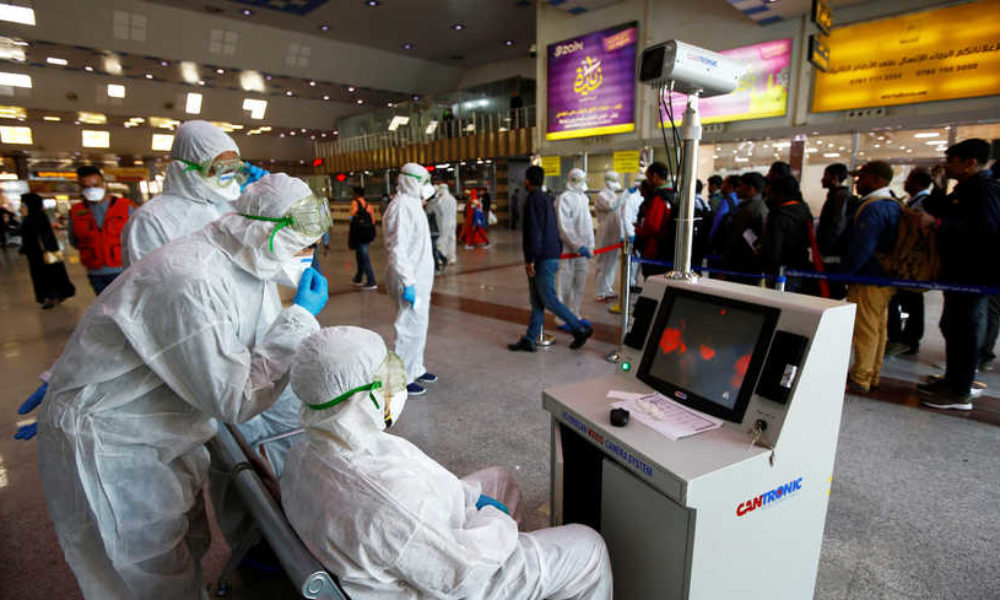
(391, 522)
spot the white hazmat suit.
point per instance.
(445, 209)
(609, 231)
(628, 211)
(173, 344)
(576, 230)
(410, 262)
(187, 204)
(390, 522)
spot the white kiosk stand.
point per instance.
(735, 512)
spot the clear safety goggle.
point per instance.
(309, 216)
(390, 378)
(420, 178)
(221, 172)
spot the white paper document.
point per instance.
(666, 416)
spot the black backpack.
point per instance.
(362, 230)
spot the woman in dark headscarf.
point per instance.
(52, 284)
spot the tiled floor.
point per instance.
(914, 511)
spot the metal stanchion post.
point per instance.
(779, 281)
(704, 268)
(545, 339)
(625, 299)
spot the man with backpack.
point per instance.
(722, 215)
(870, 232)
(968, 235)
(360, 234)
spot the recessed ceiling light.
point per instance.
(303, 130)
(201, 82)
(288, 92)
(53, 60)
(164, 63)
(324, 27)
(88, 68)
(220, 71)
(312, 84)
(508, 43)
(326, 97)
(350, 88)
(415, 98)
(458, 27)
(360, 101)
(246, 12)
(373, 3)
(267, 77)
(407, 46)
(149, 75)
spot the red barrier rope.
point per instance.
(615, 246)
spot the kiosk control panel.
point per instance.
(751, 494)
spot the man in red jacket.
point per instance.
(95, 228)
(653, 232)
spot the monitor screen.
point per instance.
(707, 351)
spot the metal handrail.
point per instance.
(416, 132)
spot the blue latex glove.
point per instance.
(313, 291)
(633, 189)
(485, 500)
(251, 173)
(33, 400)
(584, 252)
(410, 294)
(26, 432)
(631, 239)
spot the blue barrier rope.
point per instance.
(862, 279)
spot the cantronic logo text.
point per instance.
(702, 59)
(570, 48)
(762, 501)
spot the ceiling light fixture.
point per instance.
(407, 46)
(88, 68)
(350, 88)
(458, 27)
(189, 72)
(17, 14)
(256, 107)
(928, 134)
(116, 91)
(288, 92)
(360, 101)
(326, 97)
(193, 104)
(220, 71)
(16, 135)
(15, 80)
(164, 63)
(373, 3)
(324, 27)
(52, 60)
(149, 75)
(508, 43)
(246, 12)
(312, 84)
(51, 118)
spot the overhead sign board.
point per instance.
(942, 54)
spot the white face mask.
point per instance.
(93, 194)
(229, 193)
(396, 406)
(292, 270)
(426, 191)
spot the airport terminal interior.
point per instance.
(712, 420)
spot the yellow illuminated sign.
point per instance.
(552, 166)
(941, 54)
(626, 161)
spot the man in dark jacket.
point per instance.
(542, 249)
(740, 252)
(655, 232)
(870, 232)
(968, 238)
(837, 210)
(786, 240)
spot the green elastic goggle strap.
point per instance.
(370, 387)
(281, 221)
(191, 166)
(419, 178)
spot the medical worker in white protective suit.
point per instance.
(628, 212)
(388, 520)
(170, 346)
(576, 230)
(410, 270)
(445, 209)
(609, 231)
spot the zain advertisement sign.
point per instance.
(591, 84)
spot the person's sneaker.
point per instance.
(853, 387)
(978, 387)
(522, 344)
(428, 378)
(357, 283)
(564, 327)
(938, 395)
(369, 286)
(413, 389)
(899, 349)
(580, 337)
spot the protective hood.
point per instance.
(577, 181)
(328, 364)
(414, 180)
(612, 181)
(197, 142)
(247, 241)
